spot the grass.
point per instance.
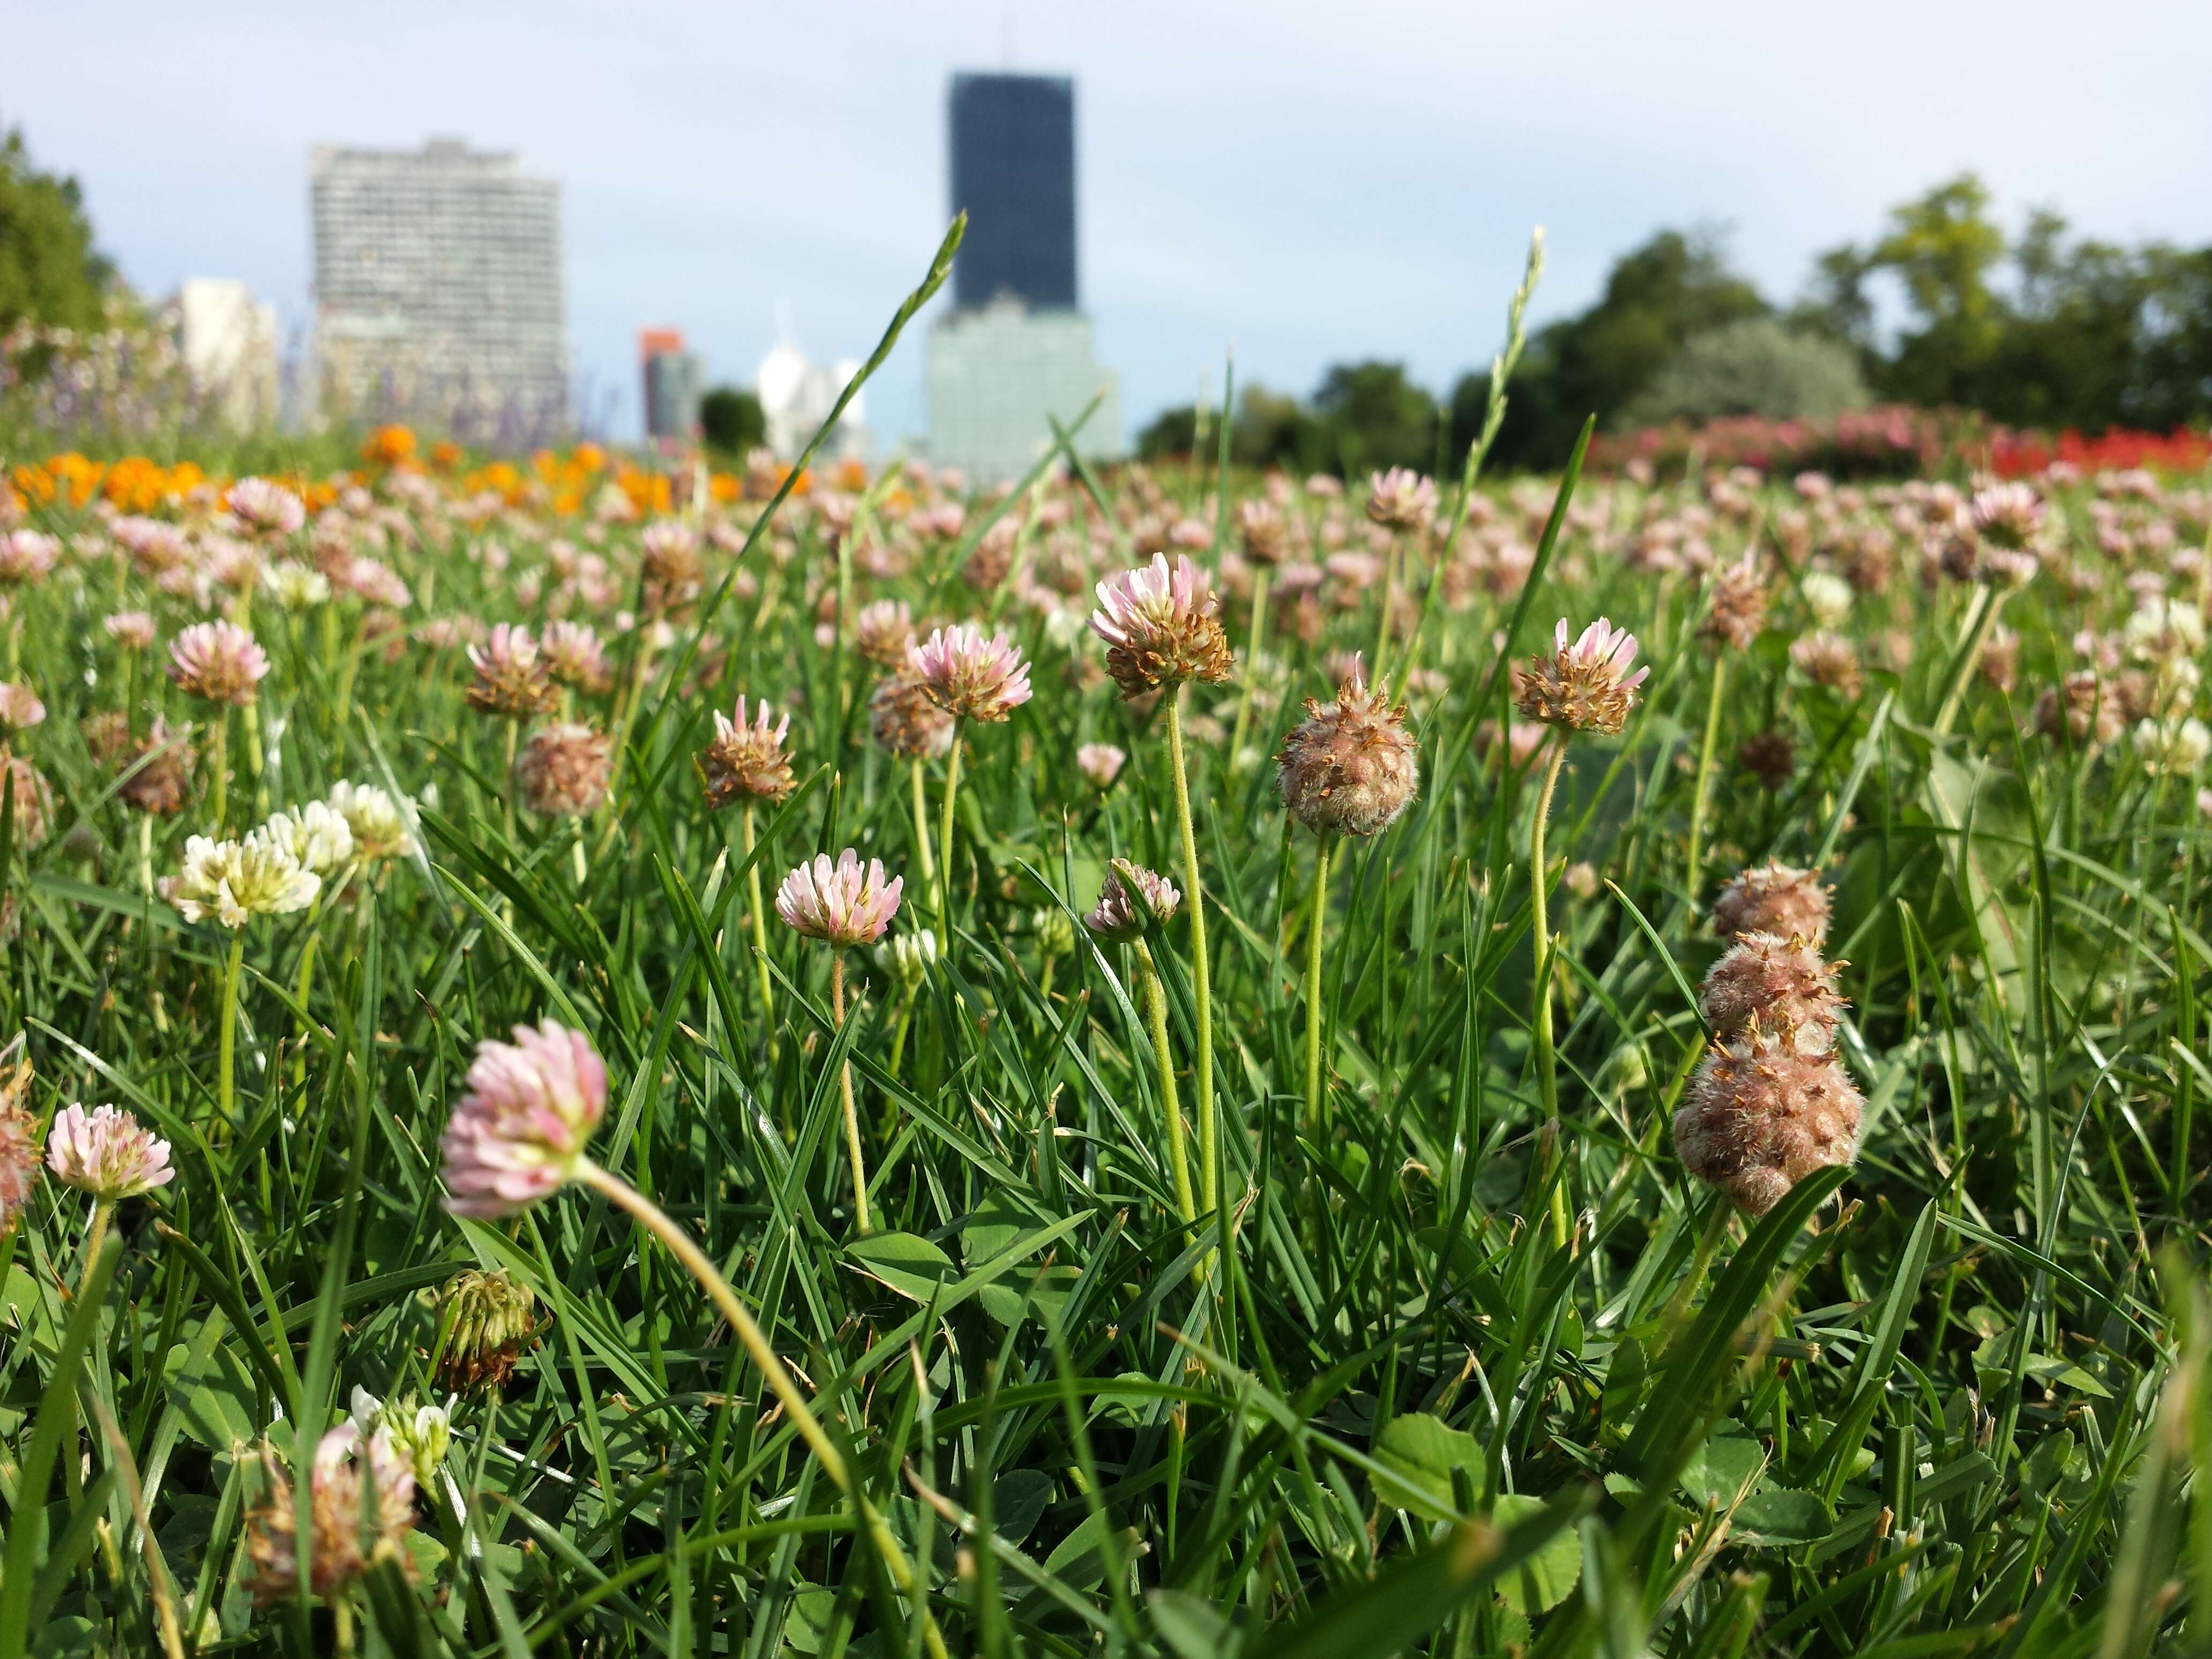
(1952, 1401)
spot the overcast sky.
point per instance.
(1300, 182)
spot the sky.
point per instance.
(1295, 183)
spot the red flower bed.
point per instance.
(2020, 454)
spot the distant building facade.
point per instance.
(1000, 375)
(438, 286)
(228, 340)
(796, 396)
(672, 388)
(1014, 353)
(1013, 156)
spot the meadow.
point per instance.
(1604, 1064)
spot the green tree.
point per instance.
(1656, 298)
(1275, 429)
(50, 272)
(1371, 416)
(730, 421)
(1172, 432)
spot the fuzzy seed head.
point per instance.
(1773, 898)
(1585, 685)
(575, 656)
(907, 721)
(1350, 767)
(562, 771)
(1739, 607)
(512, 677)
(19, 1136)
(883, 632)
(1828, 659)
(1760, 1115)
(1775, 983)
(746, 762)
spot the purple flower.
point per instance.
(519, 1133)
(104, 1151)
(968, 675)
(842, 903)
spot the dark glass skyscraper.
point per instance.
(1013, 170)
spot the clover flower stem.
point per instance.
(921, 823)
(343, 703)
(1314, 1012)
(898, 1033)
(1252, 659)
(250, 714)
(1201, 987)
(1540, 883)
(695, 1261)
(944, 837)
(305, 982)
(146, 852)
(845, 1091)
(1709, 1240)
(1390, 567)
(219, 768)
(506, 781)
(226, 1039)
(760, 916)
(1156, 1021)
(96, 1236)
(1981, 617)
(1703, 784)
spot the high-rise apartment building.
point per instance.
(671, 385)
(1014, 354)
(437, 289)
(1013, 174)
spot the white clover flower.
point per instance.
(295, 586)
(419, 1432)
(234, 881)
(1827, 596)
(379, 826)
(2178, 746)
(315, 835)
(2164, 630)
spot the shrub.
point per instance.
(1756, 366)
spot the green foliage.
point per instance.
(50, 273)
(1364, 417)
(732, 422)
(1372, 418)
(1656, 299)
(1171, 432)
(1755, 367)
(2086, 334)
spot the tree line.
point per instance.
(1942, 309)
